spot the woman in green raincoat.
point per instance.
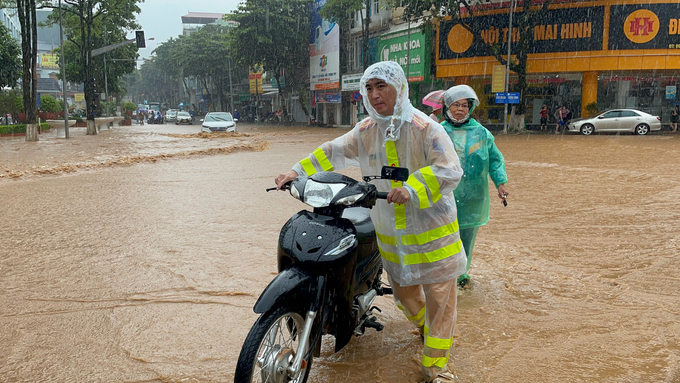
(480, 159)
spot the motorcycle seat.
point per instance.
(361, 219)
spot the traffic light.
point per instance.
(139, 36)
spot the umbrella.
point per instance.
(434, 99)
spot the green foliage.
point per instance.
(10, 60)
(49, 104)
(19, 128)
(592, 108)
(275, 34)
(129, 106)
(10, 102)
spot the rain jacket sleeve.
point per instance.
(337, 154)
(496, 162)
(428, 184)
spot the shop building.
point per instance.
(615, 53)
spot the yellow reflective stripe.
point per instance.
(422, 321)
(417, 317)
(422, 238)
(386, 239)
(400, 216)
(428, 257)
(420, 191)
(439, 362)
(391, 151)
(308, 167)
(432, 183)
(323, 160)
(399, 209)
(438, 343)
(430, 235)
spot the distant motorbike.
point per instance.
(155, 120)
(329, 274)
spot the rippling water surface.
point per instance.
(134, 256)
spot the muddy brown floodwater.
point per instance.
(136, 256)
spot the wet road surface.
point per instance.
(137, 255)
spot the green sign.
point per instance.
(411, 51)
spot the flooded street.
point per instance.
(136, 256)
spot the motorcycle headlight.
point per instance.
(349, 200)
(320, 194)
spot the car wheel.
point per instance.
(642, 129)
(587, 129)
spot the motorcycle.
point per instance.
(329, 274)
(155, 120)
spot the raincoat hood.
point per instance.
(456, 93)
(392, 73)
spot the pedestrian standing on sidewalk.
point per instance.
(561, 117)
(675, 115)
(480, 160)
(544, 117)
(416, 226)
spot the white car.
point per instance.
(218, 122)
(617, 120)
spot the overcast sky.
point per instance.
(162, 19)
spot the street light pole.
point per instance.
(231, 88)
(507, 71)
(106, 80)
(63, 74)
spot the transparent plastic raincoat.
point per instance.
(479, 158)
(419, 240)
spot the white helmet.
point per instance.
(460, 92)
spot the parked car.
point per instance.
(617, 120)
(170, 115)
(184, 118)
(218, 122)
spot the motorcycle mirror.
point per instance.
(394, 173)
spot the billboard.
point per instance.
(324, 50)
(561, 30)
(49, 61)
(644, 26)
(410, 50)
(255, 79)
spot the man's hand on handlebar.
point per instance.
(398, 195)
(284, 178)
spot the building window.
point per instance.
(376, 6)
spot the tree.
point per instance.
(49, 104)
(90, 24)
(10, 61)
(273, 33)
(29, 50)
(527, 15)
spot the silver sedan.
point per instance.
(618, 120)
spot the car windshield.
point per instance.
(183, 114)
(218, 117)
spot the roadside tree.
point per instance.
(10, 59)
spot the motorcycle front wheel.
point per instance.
(270, 347)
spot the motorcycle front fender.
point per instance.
(292, 286)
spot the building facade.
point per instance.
(614, 53)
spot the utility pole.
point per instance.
(63, 73)
(507, 72)
(231, 88)
(106, 80)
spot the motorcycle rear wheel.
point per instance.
(270, 348)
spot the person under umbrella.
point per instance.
(434, 100)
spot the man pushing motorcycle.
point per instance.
(416, 226)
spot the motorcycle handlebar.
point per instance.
(382, 195)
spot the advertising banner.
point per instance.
(255, 79)
(49, 61)
(561, 30)
(644, 26)
(327, 97)
(413, 55)
(498, 78)
(324, 50)
(78, 97)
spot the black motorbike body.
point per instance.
(329, 269)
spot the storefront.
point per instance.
(611, 54)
